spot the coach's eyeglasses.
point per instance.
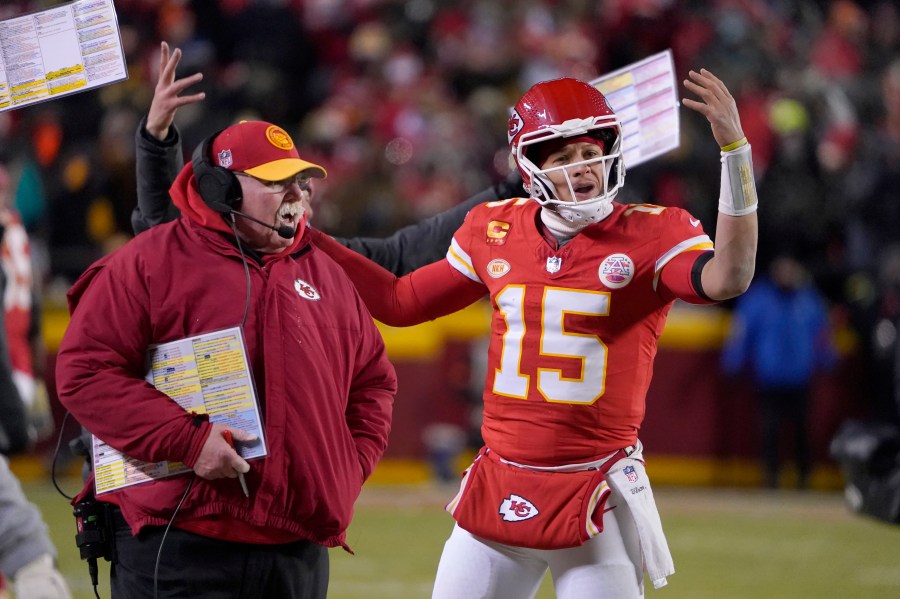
(301, 179)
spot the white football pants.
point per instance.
(608, 566)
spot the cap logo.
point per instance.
(225, 159)
(279, 138)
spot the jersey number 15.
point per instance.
(589, 350)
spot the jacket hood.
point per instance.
(186, 197)
(77, 290)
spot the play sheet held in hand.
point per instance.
(204, 374)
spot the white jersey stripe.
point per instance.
(700, 242)
(461, 261)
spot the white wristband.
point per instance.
(737, 193)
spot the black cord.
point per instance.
(165, 533)
(240, 248)
(194, 475)
(62, 428)
(92, 570)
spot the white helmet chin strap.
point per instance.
(584, 214)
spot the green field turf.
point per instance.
(727, 544)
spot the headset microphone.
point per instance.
(284, 231)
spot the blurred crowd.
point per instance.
(406, 102)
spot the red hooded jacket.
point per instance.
(323, 379)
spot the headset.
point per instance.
(218, 186)
(221, 190)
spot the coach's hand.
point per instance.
(218, 459)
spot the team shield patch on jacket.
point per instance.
(306, 291)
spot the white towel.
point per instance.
(629, 477)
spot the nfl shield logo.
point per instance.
(553, 264)
(225, 159)
(630, 474)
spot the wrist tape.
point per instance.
(737, 194)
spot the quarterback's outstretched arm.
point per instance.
(427, 240)
(729, 272)
(432, 291)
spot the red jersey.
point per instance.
(574, 329)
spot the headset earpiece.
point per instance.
(218, 186)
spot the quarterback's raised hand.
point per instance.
(717, 106)
(166, 98)
(730, 271)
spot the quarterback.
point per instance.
(580, 288)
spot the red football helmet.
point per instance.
(564, 108)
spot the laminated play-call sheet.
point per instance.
(62, 50)
(644, 97)
(204, 374)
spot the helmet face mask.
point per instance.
(559, 109)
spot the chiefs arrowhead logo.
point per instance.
(514, 126)
(516, 509)
(306, 291)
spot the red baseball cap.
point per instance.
(262, 150)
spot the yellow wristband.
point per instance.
(734, 146)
